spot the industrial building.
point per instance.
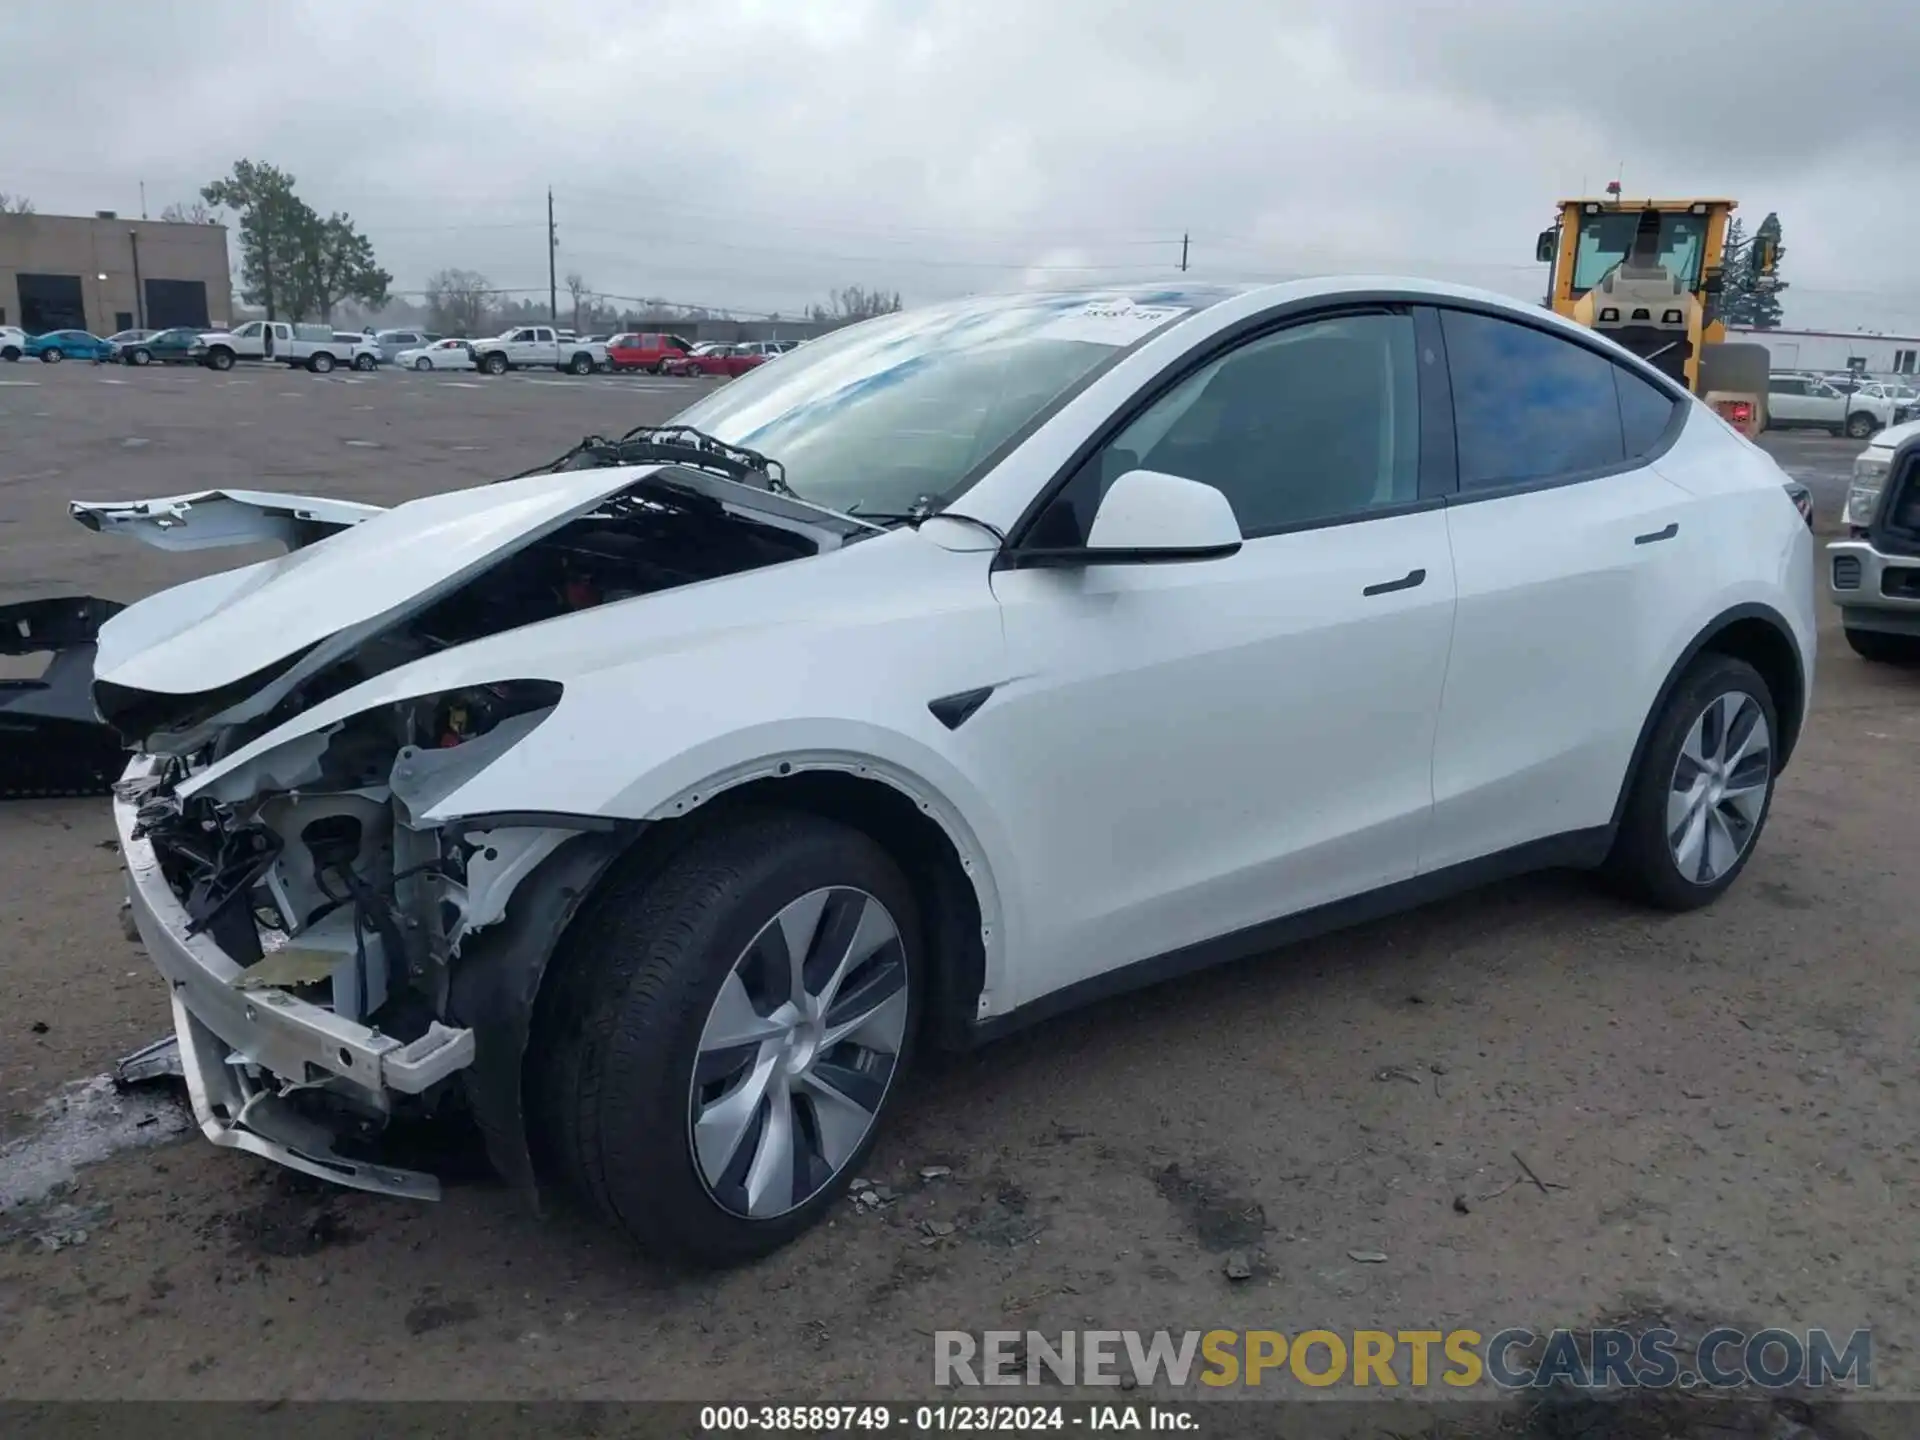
(104, 273)
(1825, 350)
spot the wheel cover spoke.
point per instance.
(798, 1052)
(1721, 781)
(840, 1121)
(770, 1178)
(871, 1012)
(722, 1126)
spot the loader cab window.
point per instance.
(1605, 240)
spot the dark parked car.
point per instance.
(162, 347)
(121, 339)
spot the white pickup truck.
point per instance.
(539, 346)
(315, 346)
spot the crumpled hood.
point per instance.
(186, 663)
(213, 633)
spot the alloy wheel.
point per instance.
(798, 1052)
(1721, 779)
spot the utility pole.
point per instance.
(553, 245)
(143, 199)
(1183, 253)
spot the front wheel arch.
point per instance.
(1757, 634)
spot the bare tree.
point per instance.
(193, 212)
(857, 303)
(457, 301)
(15, 204)
(578, 293)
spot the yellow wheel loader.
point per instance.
(1649, 274)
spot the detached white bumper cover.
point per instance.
(223, 1032)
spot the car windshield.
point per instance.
(887, 415)
(1605, 240)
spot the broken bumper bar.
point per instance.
(228, 1037)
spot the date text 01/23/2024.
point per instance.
(934, 1419)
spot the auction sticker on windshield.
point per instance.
(1110, 322)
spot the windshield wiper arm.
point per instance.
(670, 445)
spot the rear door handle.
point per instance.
(1673, 529)
(1406, 582)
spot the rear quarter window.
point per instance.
(1645, 411)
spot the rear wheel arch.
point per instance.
(1757, 634)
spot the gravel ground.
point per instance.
(1719, 1105)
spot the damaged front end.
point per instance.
(345, 947)
(309, 920)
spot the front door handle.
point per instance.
(1405, 582)
(1673, 529)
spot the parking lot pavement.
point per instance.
(1821, 462)
(106, 432)
(1718, 1105)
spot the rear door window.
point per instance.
(1529, 407)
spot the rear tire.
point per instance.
(627, 1055)
(1882, 648)
(320, 363)
(52, 357)
(365, 362)
(1860, 425)
(1692, 819)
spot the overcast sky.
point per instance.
(757, 153)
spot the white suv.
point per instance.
(974, 662)
(1809, 401)
(13, 342)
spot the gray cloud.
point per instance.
(757, 152)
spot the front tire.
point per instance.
(139, 357)
(1860, 425)
(1878, 646)
(10, 354)
(1703, 790)
(495, 364)
(724, 1034)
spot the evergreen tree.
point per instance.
(1741, 303)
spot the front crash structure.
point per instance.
(343, 945)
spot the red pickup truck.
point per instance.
(649, 351)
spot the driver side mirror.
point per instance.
(1148, 517)
(1544, 247)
